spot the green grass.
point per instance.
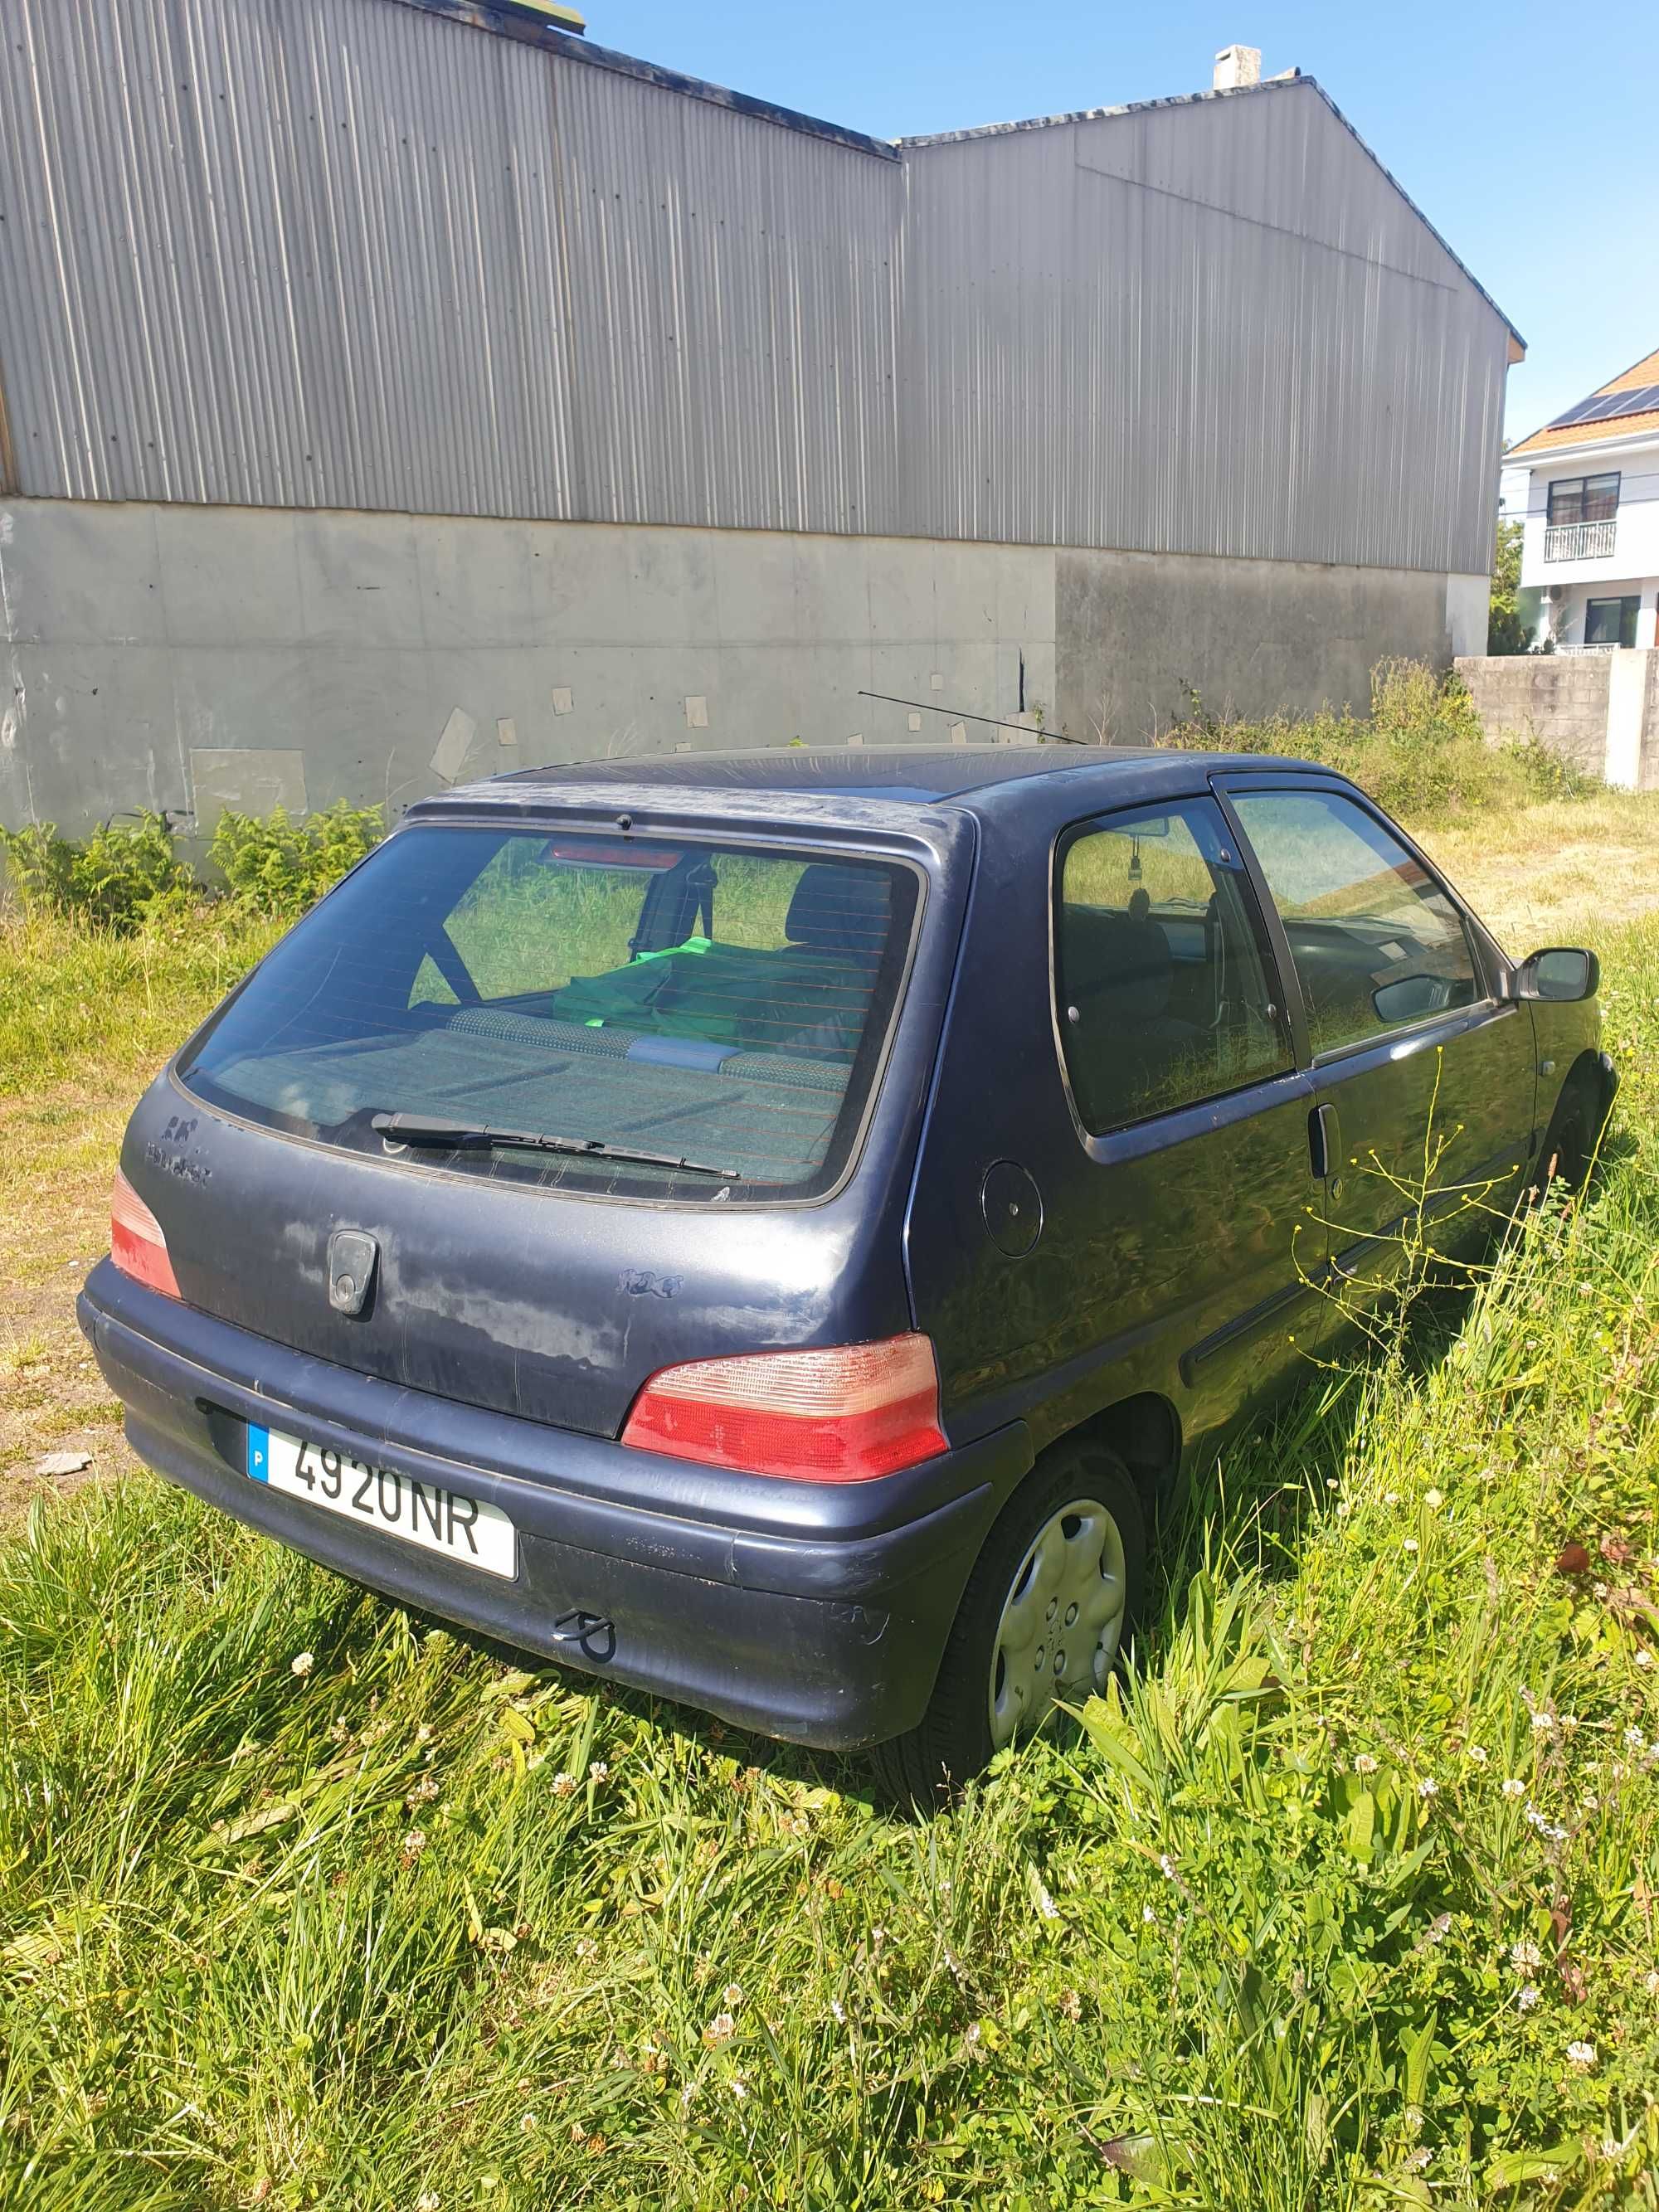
(408, 1927)
(75, 998)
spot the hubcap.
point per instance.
(1061, 1619)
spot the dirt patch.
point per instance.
(59, 1153)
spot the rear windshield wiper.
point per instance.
(456, 1136)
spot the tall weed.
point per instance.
(1421, 752)
(122, 876)
(279, 867)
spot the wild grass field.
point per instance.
(1345, 1897)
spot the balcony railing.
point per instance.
(1578, 541)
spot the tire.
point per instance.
(969, 1716)
(1575, 1130)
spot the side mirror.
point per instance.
(1560, 973)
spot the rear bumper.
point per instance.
(816, 1612)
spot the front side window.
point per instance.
(1376, 942)
(1161, 967)
(674, 1017)
(1585, 499)
(1611, 622)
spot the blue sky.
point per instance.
(1527, 134)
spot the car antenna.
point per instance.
(961, 714)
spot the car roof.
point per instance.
(924, 773)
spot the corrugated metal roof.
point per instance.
(351, 253)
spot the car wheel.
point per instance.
(1050, 1604)
(1574, 1131)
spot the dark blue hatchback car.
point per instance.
(770, 1228)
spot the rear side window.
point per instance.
(1377, 944)
(1163, 968)
(704, 1022)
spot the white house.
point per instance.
(1591, 545)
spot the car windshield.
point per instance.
(706, 1021)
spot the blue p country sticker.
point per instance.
(258, 1453)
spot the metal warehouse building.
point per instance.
(393, 391)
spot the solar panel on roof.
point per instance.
(1603, 406)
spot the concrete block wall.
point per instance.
(192, 658)
(1599, 711)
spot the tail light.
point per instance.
(844, 1414)
(136, 1242)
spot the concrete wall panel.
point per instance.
(1133, 630)
(389, 652)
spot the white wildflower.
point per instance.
(1645, 1657)
(738, 2087)
(1477, 1753)
(1527, 1998)
(1047, 1909)
(1434, 1499)
(1166, 1866)
(732, 1996)
(1512, 1787)
(720, 2029)
(597, 1770)
(563, 1784)
(838, 2012)
(1409, 1545)
(1364, 1764)
(1526, 1958)
(1635, 1738)
(1580, 2056)
(1428, 1787)
(1148, 1915)
(301, 1664)
(1543, 1723)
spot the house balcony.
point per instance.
(1579, 541)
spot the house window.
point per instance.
(1611, 622)
(1585, 499)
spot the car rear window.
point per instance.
(722, 1008)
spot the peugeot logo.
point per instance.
(352, 1253)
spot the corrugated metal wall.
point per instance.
(346, 253)
(1212, 328)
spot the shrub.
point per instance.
(117, 878)
(279, 867)
(1421, 752)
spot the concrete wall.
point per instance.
(1253, 637)
(1598, 710)
(193, 658)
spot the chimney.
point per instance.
(1236, 66)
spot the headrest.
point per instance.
(1127, 962)
(840, 909)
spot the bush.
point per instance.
(117, 878)
(279, 867)
(1422, 751)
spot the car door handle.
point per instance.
(1324, 1141)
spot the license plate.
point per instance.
(464, 1529)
